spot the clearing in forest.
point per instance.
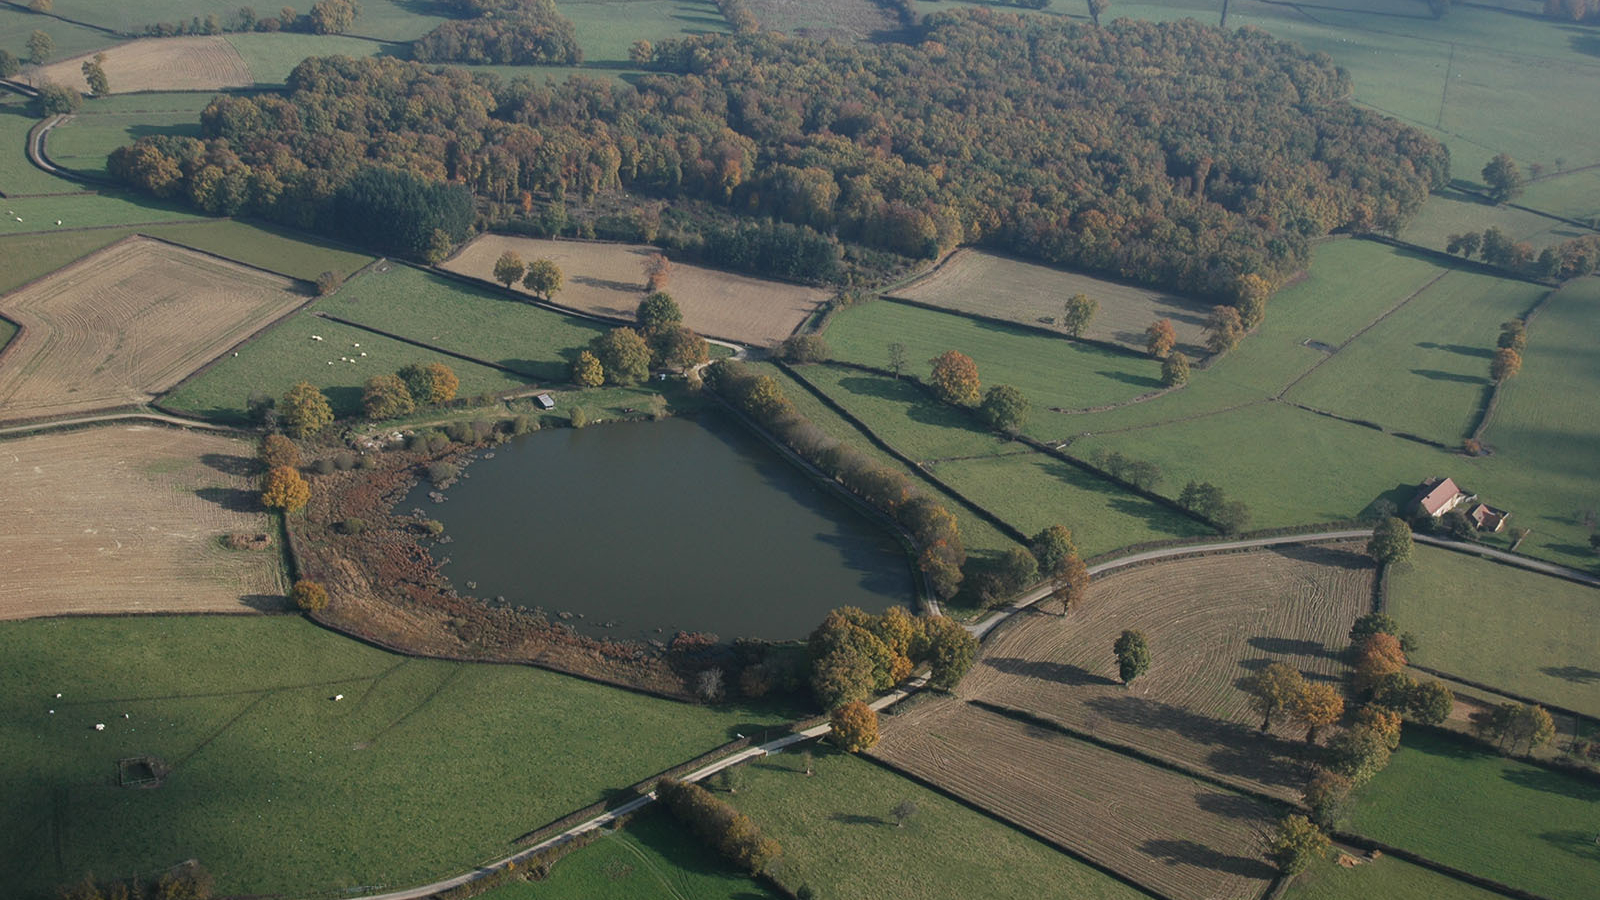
(1166, 832)
(988, 284)
(198, 63)
(125, 518)
(1210, 621)
(609, 280)
(124, 324)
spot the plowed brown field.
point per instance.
(200, 63)
(608, 279)
(130, 518)
(124, 324)
(1210, 620)
(1182, 838)
(978, 282)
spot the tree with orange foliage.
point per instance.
(855, 726)
(1377, 656)
(955, 378)
(1160, 338)
(657, 269)
(284, 489)
(1316, 705)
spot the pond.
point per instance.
(639, 530)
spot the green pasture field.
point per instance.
(652, 857)
(1389, 877)
(424, 769)
(1522, 825)
(271, 57)
(1516, 630)
(70, 40)
(84, 142)
(1036, 491)
(264, 246)
(28, 256)
(1451, 212)
(286, 354)
(1051, 371)
(836, 829)
(466, 319)
(393, 20)
(1425, 369)
(1575, 195)
(908, 416)
(607, 28)
(86, 211)
(17, 175)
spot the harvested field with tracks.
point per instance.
(1171, 834)
(1210, 620)
(131, 518)
(122, 325)
(608, 280)
(991, 285)
(199, 63)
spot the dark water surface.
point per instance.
(689, 524)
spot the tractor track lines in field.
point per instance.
(248, 708)
(1354, 337)
(449, 679)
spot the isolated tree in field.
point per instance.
(657, 314)
(1513, 335)
(1296, 844)
(1503, 178)
(283, 488)
(1250, 294)
(509, 268)
(432, 383)
(1079, 312)
(950, 650)
(1098, 8)
(94, 73)
(328, 282)
(624, 354)
(543, 278)
(1391, 542)
(955, 378)
(1316, 706)
(587, 371)
(1160, 338)
(309, 595)
(40, 46)
(897, 358)
(1005, 409)
(1224, 328)
(9, 65)
(277, 450)
(386, 397)
(1325, 795)
(902, 811)
(1175, 369)
(855, 726)
(1506, 364)
(657, 268)
(1133, 655)
(304, 411)
(1272, 690)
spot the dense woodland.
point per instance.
(512, 32)
(1171, 153)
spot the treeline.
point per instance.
(938, 535)
(855, 654)
(732, 833)
(1170, 153)
(1572, 258)
(515, 32)
(326, 17)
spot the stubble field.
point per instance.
(608, 280)
(125, 324)
(131, 519)
(198, 63)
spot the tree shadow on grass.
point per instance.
(1454, 377)
(1575, 674)
(1140, 381)
(1462, 349)
(1192, 853)
(1581, 844)
(231, 499)
(1061, 673)
(1552, 783)
(853, 819)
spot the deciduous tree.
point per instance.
(1005, 409)
(509, 268)
(950, 650)
(624, 354)
(1223, 329)
(283, 488)
(1506, 364)
(1430, 703)
(955, 378)
(386, 397)
(304, 411)
(309, 595)
(657, 268)
(679, 348)
(1160, 338)
(1175, 369)
(1133, 655)
(1503, 178)
(902, 811)
(1296, 844)
(897, 358)
(855, 726)
(94, 73)
(544, 278)
(1079, 311)
(587, 370)
(1377, 656)
(1250, 294)
(1514, 335)
(432, 383)
(1315, 706)
(1272, 691)
(40, 46)
(1358, 754)
(277, 450)
(1097, 8)
(1325, 795)
(1391, 542)
(657, 314)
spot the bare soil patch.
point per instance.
(199, 63)
(609, 280)
(131, 518)
(122, 325)
(976, 281)
(1172, 834)
(1210, 621)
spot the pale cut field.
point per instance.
(198, 63)
(130, 519)
(1168, 833)
(122, 325)
(1209, 620)
(608, 280)
(976, 281)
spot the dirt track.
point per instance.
(129, 518)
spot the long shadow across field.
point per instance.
(1240, 751)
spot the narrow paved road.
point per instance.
(1521, 562)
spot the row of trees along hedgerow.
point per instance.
(1172, 153)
